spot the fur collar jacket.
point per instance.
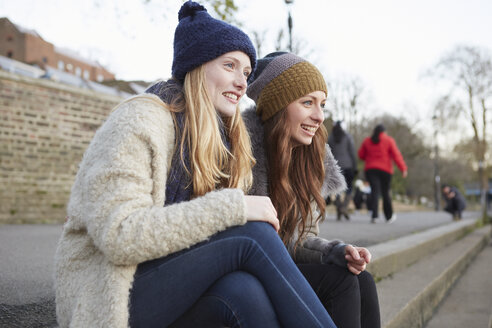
(312, 249)
(117, 218)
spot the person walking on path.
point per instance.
(342, 147)
(158, 220)
(362, 194)
(297, 170)
(379, 151)
(455, 202)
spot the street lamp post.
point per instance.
(289, 23)
(483, 185)
(437, 178)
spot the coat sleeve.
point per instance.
(396, 156)
(314, 249)
(260, 169)
(351, 150)
(113, 192)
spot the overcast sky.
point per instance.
(388, 44)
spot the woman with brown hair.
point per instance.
(296, 170)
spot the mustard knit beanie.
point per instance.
(281, 78)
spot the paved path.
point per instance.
(26, 259)
(469, 303)
(26, 269)
(361, 232)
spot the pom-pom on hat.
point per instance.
(200, 38)
(280, 79)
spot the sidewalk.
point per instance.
(472, 290)
(26, 257)
(359, 231)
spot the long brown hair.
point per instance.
(295, 176)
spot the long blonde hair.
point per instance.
(212, 164)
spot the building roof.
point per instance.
(14, 66)
(60, 50)
(27, 30)
(75, 55)
(22, 29)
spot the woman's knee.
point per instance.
(237, 299)
(367, 284)
(260, 230)
(244, 295)
(336, 281)
(239, 286)
(348, 281)
(365, 277)
(260, 234)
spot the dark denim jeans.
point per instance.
(380, 182)
(164, 289)
(236, 300)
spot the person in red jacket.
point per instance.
(379, 151)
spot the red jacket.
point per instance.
(379, 156)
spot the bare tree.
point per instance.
(467, 73)
(279, 41)
(225, 10)
(345, 100)
(259, 39)
(299, 46)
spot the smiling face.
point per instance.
(304, 116)
(226, 80)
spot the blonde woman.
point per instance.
(158, 219)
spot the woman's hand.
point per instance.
(357, 258)
(260, 208)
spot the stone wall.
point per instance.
(45, 128)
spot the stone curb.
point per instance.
(395, 255)
(421, 308)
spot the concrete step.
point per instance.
(408, 297)
(395, 255)
(469, 303)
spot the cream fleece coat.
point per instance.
(117, 218)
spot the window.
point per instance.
(10, 53)
(86, 74)
(78, 71)
(100, 78)
(45, 60)
(69, 67)
(61, 65)
(10, 38)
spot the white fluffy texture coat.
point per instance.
(117, 218)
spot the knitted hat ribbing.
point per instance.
(200, 38)
(285, 78)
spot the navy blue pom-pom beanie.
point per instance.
(200, 38)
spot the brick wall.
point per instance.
(45, 128)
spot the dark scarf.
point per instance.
(179, 186)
